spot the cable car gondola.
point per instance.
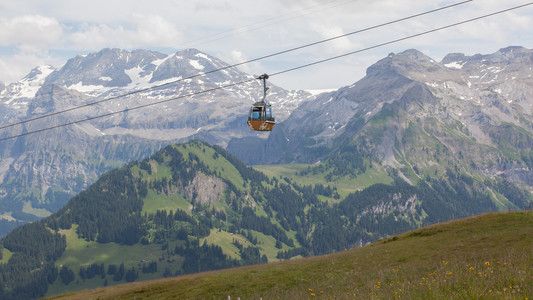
(261, 116)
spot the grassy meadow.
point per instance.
(488, 257)
(345, 185)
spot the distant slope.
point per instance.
(488, 256)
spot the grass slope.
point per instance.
(345, 185)
(80, 253)
(488, 256)
(6, 255)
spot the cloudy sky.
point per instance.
(36, 32)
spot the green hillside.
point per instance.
(305, 174)
(486, 257)
(193, 207)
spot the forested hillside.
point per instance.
(194, 207)
(482, 257)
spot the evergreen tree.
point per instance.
(119, 275)
(111, 269)
(66, 275)
(82, 273)
(131, 275)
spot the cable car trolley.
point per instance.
(261, 117)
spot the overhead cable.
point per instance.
(273, 74)
(400, 39)
(266, 22)
(230, 66)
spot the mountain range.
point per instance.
(410, 117)
(420, 117)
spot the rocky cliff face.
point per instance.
(422, 117)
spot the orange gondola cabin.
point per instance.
(261, 117)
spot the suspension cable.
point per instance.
(230, 66)
(273, 74)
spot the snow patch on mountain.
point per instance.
(30, 84)
(318, 92)
(137, 80)
(88, 89)
(202, 55)
(158, 62)
(455, 65)
(196, 64)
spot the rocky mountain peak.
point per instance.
(106, 68)
(416, 55)
(51, 97)
(16, 95)
(404, 63)
(189, 52)
(453, 58)
(409, 108)
(38, 74)
(509, 54)
(504, 55)
(190, 62)
(43, 101)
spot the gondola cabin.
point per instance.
(261, 117)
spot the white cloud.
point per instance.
(340, 44)
(238, 29)
(15, 67)
(236, 57)
(210, 5)
(29, 31)
(144, 31)
(156, 30)
(26, 39)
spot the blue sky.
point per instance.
(34, 32)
